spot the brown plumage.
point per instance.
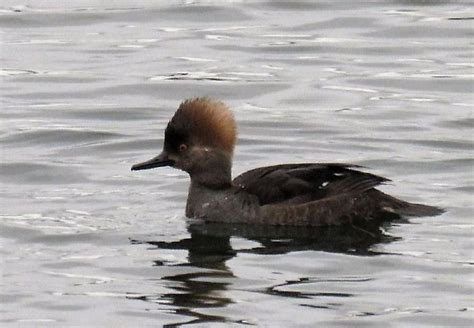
(208, 122)
(200, 139)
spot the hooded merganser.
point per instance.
(200, 140)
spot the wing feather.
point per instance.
(299, 183)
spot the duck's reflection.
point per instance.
(209, 248)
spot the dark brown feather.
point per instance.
(300, 183)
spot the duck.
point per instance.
(200, 140)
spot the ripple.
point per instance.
(35, 173)
(95, 279)
(463, 123)
(13, 72)
(57, 137)
(195, 59)
(336, 87)
(210, 76)
(420, 32)
(458, 85)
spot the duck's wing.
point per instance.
(301, 183)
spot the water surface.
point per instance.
(88, 88)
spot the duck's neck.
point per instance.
(214, 171)
(216, 178)
(213, 176)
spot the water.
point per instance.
(87, 90)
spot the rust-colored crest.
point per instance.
(207, 122)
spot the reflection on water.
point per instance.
(209, 247)
(191, 292)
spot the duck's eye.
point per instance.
(183, 147)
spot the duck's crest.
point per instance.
(206, 121)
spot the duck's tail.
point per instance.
(394, 205)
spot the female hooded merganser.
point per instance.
(200, 140)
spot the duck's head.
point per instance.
(199, 138)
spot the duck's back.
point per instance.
(322, 194)
(301, 183)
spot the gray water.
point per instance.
(88, 88)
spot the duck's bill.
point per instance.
(158, 161)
